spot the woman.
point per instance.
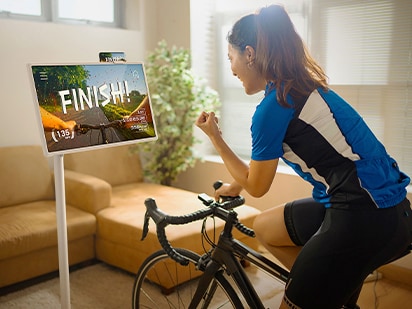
(358, 218)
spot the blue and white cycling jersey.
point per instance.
(328, 144)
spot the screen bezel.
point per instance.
(44, 135)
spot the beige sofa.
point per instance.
(105, 195)
(119, 227)
(28, 231)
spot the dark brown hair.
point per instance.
(281, 55)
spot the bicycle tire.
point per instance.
(157, 284)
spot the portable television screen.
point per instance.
(88, 106)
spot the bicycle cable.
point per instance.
(206, 236)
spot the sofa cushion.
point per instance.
(25, 175)
(116, 165)
(30, 227)
(86, 192)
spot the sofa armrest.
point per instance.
(86, 192)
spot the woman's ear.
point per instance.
(250, 53)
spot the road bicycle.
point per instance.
(180, 278)
(215, 279)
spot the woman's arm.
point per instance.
(256, 178)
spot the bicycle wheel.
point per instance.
(163, 283)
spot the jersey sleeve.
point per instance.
(269, 124)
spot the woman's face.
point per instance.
(243, 67)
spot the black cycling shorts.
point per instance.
(303, 218)
(341, 246)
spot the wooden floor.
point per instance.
(385, 294)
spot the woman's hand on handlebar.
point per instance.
(227, 190)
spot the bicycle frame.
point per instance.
(227, 253)
(224, 256)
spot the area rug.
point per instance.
(97, 286)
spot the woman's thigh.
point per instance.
(291, 224)
(270, 228)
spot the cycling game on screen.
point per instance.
(92, 105)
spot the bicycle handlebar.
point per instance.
(161, 219)
(84, 128)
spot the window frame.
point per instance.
(49, 13)
(116, 16)
(44, 13)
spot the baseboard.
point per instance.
(397, 273)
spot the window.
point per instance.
(365, 47)
(23, 8)
(93, 12)
(88, 11)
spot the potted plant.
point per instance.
(177, 97)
